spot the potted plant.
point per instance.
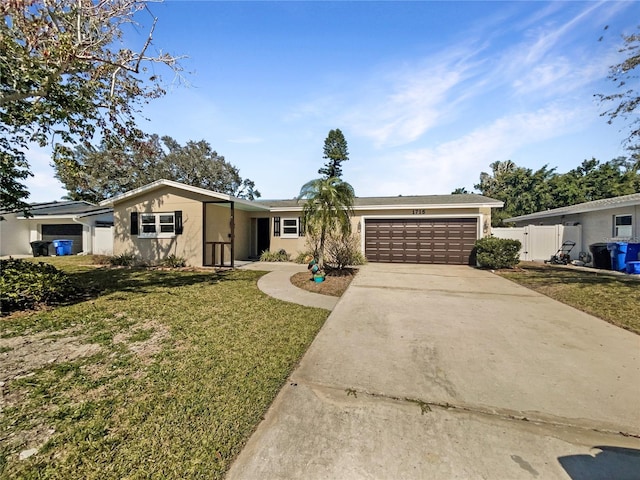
(318, 276)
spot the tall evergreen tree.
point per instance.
(335, 152)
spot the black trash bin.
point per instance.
(40, 248)
(601, 256)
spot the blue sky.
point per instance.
(427, 94)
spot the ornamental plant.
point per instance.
(492, 252)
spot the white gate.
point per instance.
(540, 242)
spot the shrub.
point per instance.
(279, 256)
(341, 252)
(495, 252)
(172, 261)
(123, 260)
(25, 285)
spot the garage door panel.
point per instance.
(448, 241)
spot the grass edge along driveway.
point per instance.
(615, 299)
(177, 371)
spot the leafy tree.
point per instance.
(199, 165)
(327, 209)
(521, 189)
(526, 191)
(66, 74)
(335, 152)
(94, 174)
(460, 191)
(13, 168)
(627, 98)
(593, 180)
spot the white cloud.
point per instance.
(458, 162)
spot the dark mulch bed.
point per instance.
(335, 283)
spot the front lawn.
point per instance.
(163, 374)
(615, 299)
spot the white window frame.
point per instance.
(157, 224)
(616, 227)
(283, 226)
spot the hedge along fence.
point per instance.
(25, 285)
(492, 252)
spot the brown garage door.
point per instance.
(413, 240)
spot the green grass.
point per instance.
(615, 299)
(218, 351)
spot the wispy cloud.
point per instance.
(398, 108)
(459, 161)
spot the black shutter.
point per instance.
(276, 226)
(177, 219)
(301, 232)
(134, 223)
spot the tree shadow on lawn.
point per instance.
(103, 281)
(96, 282)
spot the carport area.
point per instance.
(434, 371)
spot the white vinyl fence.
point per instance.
(540, 242)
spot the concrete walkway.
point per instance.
(451, 372)
(276, 284)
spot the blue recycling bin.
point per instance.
(63, 247)
(618, 252)
(633, 252)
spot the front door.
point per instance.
(263, 235)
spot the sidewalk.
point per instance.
(277, 284)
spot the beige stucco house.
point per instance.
(213, 229)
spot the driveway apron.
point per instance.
(433, 371)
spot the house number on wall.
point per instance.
(419, 212)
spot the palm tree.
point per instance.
(328, 208)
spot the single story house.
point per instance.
(208, 228)
(602, 221)
(88, 226)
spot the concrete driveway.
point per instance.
(451, 372)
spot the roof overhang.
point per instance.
(407, 206)
(595, 206)
(67, 216)
(239, 203)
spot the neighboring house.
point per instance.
(207, 228)
(601, 221)
(89, 226)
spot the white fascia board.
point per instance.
(417, 206)
(48, 217)
(285, 209)
(431, 206)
